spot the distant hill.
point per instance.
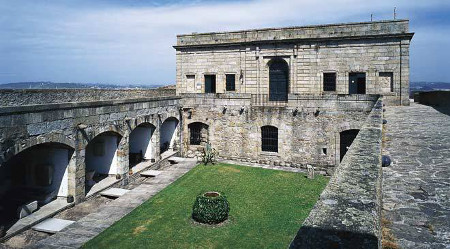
(421, 86)
(54, 85)
(418, 86)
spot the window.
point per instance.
(329, 82)
(278, 80)
(357, 83)
(230, 81)
(386, 82)
(269, 138)
(198, 133)
(210, 84)
(190, 77)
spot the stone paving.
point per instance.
(416, 187)
(91, 225)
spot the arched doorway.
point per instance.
(278, 80)
(168, 134)
(141, 144)
(346, 140)
(38, 173)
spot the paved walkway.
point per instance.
(91, 225)
(416, 187)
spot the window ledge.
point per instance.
(268, 153)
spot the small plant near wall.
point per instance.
(209, 154)
(211, 208)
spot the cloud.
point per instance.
(131, 41)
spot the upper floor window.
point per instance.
(269, 138)
(210, 83)
(386, 81)
(329, 82)
(230, 82)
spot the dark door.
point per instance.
(278, 80)
(346, 138)
(210, 84)
(357, 83)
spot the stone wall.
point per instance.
(76, 124)
(308, 128)
(374, 48)
(433, 98)
(348, 212)
(339, 30)
(22, 97)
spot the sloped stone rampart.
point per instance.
(348, 212)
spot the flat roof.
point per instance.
(384, 28)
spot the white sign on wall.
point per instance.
(198, 85)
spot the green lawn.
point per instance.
(267, 207)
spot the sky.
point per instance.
(130, 41)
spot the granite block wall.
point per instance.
(376, 49)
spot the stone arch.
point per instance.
(21, 145)
(169, 134)
(105, 156)
(110, 128)
(142, 143)
(38, 173)
(278, 79)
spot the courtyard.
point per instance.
(266, 209)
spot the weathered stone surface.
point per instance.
(27, 209)
(375, 48)
(52, 225)
(91, 225)
(39, 96)
(416, 187)
(114, 192)
(348, 213)
(301, 138)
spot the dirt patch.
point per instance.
(388, 239)
(285, 175)
(139, 230)
(24, 239)
(225, 169)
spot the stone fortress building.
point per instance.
(356, 58)
(288, 97)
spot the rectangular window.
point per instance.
(230, 81)
(190, 82)
(329, 82)
(269, 138)
(196, 134)
(210, 84)
(386, 82)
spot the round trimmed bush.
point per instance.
(210, 208)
